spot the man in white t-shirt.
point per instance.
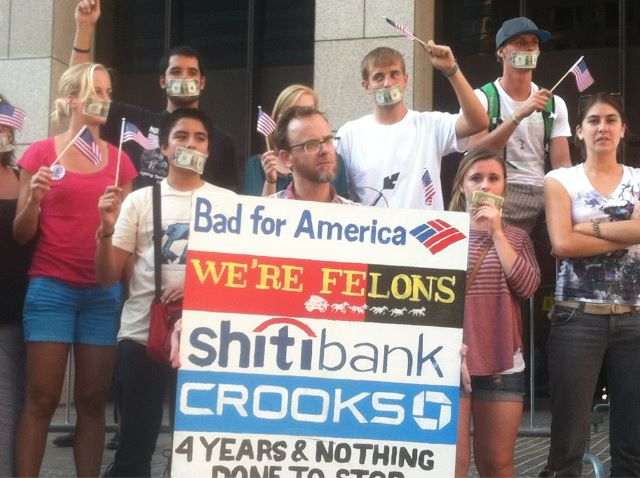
(525, 122)
(393, 155)
(127, 233)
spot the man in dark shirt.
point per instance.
(183, 78)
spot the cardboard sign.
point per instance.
(319, 340)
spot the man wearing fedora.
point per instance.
(527, 122)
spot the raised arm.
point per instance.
(86, 14)
(565, 241)
(473, 118)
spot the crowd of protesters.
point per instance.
(77, 220)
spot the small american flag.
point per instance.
(12, 116)
(583, 78)
(132, 133)
(401, 28)
(429, 188)
(266, 125)
(87, 146)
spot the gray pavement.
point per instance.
(531, 449)
(58, 462)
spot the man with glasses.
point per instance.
(307, 146)
(393, 156)
(525, 121)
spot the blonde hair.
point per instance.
(458, 201)
(288, 98)
(77, 82)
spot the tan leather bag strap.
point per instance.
(472, 276)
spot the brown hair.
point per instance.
(282, 128)
(458, 201)
(587, 102)
(380, 56)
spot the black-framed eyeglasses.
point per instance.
(313, 145)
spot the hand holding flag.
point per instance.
(12, 116)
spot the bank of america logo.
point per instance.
(436, 235)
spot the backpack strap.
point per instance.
(493, 105)
(548, 115)
(157, 240)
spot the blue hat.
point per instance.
(519, 26)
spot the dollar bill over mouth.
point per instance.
(480, 197)
(180, 87)
(96, 107)
(190, 159)
(388, 96)
(522, 59)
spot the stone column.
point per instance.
(346, 31)
(35, 44)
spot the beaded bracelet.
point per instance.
(596, 229)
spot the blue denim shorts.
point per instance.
(55, 311)
(505, 387)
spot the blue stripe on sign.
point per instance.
(422, 232)
(316, 407)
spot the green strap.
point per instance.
(493, 111)
(548, 114)
(493, 105)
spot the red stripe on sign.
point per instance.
(446, 242)
(440, 236)
(285, 320)
(435, 224)
(275, 286)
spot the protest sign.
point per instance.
(319, 340)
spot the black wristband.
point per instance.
(452, 72)
(81, 50)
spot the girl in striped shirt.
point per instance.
(506, 272)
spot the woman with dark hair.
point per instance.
(593, 220)
(502, 270)
(13, 284)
